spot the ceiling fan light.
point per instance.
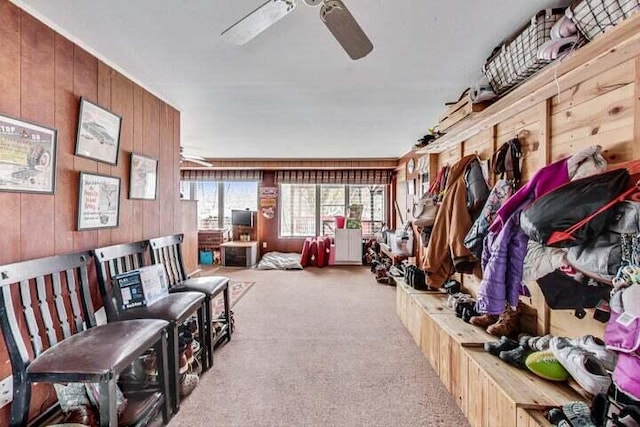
(345, 29)
(257, 21)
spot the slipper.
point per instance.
(578, 414)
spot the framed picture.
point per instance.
(27, 156)
(98, 135)
(98, 202)
(144, 177)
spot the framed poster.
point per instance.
(98, 202)
(27, 156)
(144, 177)
(98, 135)
(268, 201)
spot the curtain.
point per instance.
(353, 177)
(220, 175)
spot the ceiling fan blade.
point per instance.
(345, 29)
(257, 21)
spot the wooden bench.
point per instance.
(167, 251)
(489, 391)
(66, 345)
(175, 308)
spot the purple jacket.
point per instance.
(506, 245)
(502, 265)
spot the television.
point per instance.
(244, 218)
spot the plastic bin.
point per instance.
(206, 257)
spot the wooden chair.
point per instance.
(73, 349)
(167, 250)
(174, 308)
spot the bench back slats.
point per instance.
(60, 308)
(44, 310)
(166, 250)
(75, 306)
(114, 260)
(30, 317)
(40, 281)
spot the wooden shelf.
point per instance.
(619, 44)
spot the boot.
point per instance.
(508, 323)
(484, 321)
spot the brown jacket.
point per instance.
(446, 252)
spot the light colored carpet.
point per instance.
(319, 347)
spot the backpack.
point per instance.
(506, 161)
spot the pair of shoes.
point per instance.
(469, 313)
(535, 343)
(456, 298)
(545, 365)
(503, 344)
(583, 366)
(188, 382)
(596, 347)
(516, 357)
(508, 323)
(484, 321)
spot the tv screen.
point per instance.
(242, 218)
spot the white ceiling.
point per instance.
(293, 92)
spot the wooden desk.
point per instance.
(239, 254)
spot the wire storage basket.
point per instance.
(517, 58)
(593, 17)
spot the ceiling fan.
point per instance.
(333, 13)
(193, 159)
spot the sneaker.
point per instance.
(468, 313)
(583, 366)
(545, 365)
(461, 306)
(516, 357)
(503, 344)
(558, 418)
(484, 321)
(539, 343)
(596, 347)
(508, 323)
(578, 414)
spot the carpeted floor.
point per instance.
(319, 347)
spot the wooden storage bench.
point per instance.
(488, 391)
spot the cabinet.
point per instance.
(239, 254)
(348, 246)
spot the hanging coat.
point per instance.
(446, 252)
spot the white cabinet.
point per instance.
(348, 246)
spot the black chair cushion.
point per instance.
(99, 350)
(173, 308)
(208, 285)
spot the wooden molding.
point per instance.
(285, 164)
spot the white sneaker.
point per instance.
(596, 347)
(583, 366)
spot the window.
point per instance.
(297, 210)
(217, 199)
(310, 210)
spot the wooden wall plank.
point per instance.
(177, 226)
(85, 84)
(480, 144)
(66, 104)
(165, 191)
(122, 104)
(104, 100)
(10, 105)
(150, 147)
(595, 87)
(37, 104)
(137, 147)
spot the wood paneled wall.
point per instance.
(42, 77)
(602, 110)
